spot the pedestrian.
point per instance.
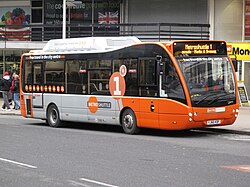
(16, 92)
(5, 86)
(10, 96)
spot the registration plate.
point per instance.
(213, 122)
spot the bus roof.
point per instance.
(88, 44)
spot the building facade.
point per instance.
(29, 24)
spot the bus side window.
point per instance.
(27, 74)
(49, 78)
(29, 79)
(171, 86)
(76, 76)
(170, 80)
(147, 77)
(131, 77)
(99, 72)
(74, 85)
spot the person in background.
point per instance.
(5, 86)
(11, 93)
(10, 96)
(16, 92)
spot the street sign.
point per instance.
(243, 97)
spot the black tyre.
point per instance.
(53, 117)
(129, 123)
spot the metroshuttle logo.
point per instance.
(93, 104)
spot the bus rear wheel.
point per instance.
(129, 123)
(53, 118)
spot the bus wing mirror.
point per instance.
(160, 64)
(235, 64)
(159, 58)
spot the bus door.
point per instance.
(148, 91)
(37, 94)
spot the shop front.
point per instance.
(29, 21)
(240, 51)
(10, 60)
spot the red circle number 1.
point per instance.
(117, 84)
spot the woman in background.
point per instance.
(16, 92)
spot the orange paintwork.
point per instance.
(167, 114)
(22, 105)
(22, 102)
(149, 117)
(171, 115)
(207, 113)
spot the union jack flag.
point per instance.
(108, 17)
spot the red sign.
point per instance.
(247, 18)
(229, 48)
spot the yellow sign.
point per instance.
(239, 50)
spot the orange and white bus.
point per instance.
(122, 81)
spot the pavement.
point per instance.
(241, 125)
(12, 112)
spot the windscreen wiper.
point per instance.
(205, 98)
(219, 96)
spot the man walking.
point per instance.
(5, 84)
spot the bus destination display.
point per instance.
(199, 48)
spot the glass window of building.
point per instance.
(84, 18)
(36, 11)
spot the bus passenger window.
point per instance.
(99, 81)
(29, 79)
(54, 73)
(131, 77)
(27, 73)
(147, 71)
(99, 72)
(76, 80)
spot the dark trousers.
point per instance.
(6, 100)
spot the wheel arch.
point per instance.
(52, 103)
(120, 117)
(53, 117)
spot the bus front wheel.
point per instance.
(129, 123)
(53, 118)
